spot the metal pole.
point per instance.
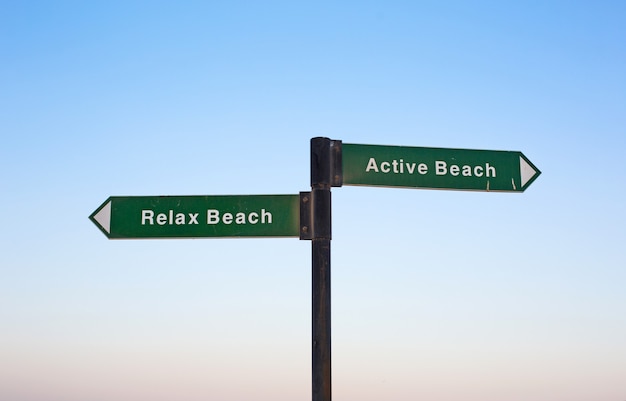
(321, 182)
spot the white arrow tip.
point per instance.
(103, 217)
(527, 172)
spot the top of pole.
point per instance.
(326, 166)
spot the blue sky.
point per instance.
(436, 294)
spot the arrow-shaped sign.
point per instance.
(199, 216)
(437, 168)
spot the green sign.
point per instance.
(437, 168)
(199, 216)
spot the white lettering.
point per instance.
(400, 167)
(441, 167)
(253, 218)
(147, 216)
(371, 165)
(180, 219)
(169, 218)
(266, 217)
(212, 216)
(161, 219)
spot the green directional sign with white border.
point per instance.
(437, 168)
(199, 216)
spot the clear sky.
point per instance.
(437, 295)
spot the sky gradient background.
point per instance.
(437, 295)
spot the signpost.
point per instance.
(308, 215)
(199, 216)
(437, 168)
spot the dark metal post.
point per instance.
(324, 174)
